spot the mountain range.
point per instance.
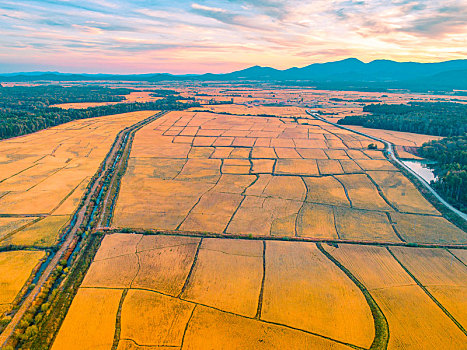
(347, 73)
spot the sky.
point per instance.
(146, 36)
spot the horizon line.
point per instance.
(226, 72)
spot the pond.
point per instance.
(421, 167)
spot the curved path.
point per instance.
(391, 154)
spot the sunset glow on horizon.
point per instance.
(142, 36)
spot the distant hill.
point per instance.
(348, 73)
(352, 70)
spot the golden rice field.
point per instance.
(414, 320)
(397, 137)
(41, 185)
(90, 323)
(15, 269)
(209, 293)
(256, 175)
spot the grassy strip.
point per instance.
(50, 324)
(205, 234)
(381, 324)
(195, 259)
(116, 181)
(261, 292)
(118, 321)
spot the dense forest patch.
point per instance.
(24, 110)
(450, 155)
(441, 119)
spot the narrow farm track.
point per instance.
(105, 172)
(392, 156)
(205, 234)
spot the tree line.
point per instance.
(450, 155)
(32, 97)
(25, 110)
(431, 118)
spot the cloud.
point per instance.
(225, 16)
(218, 14)
(207, 9)
(112, 26)
(277, 9)
(437, 21)
(14, 14)
(202, 34)
(438, 25)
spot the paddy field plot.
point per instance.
(90, 322)
(325, 190)
(375, 164)
(214, 329)
(414, 320)
(442, 274)
(362, 192)
(216, 278)
(427, 229)
(159, 263)
(402, 193)
(154, 319)
(117, 272)
(316, 220)
(42, 233)
(360, 225)
(396, 137)
(329, 166)
(15, 269)
(12, 224)
(350, 166)
(165, 263)
(316, 297)
(265, 217)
